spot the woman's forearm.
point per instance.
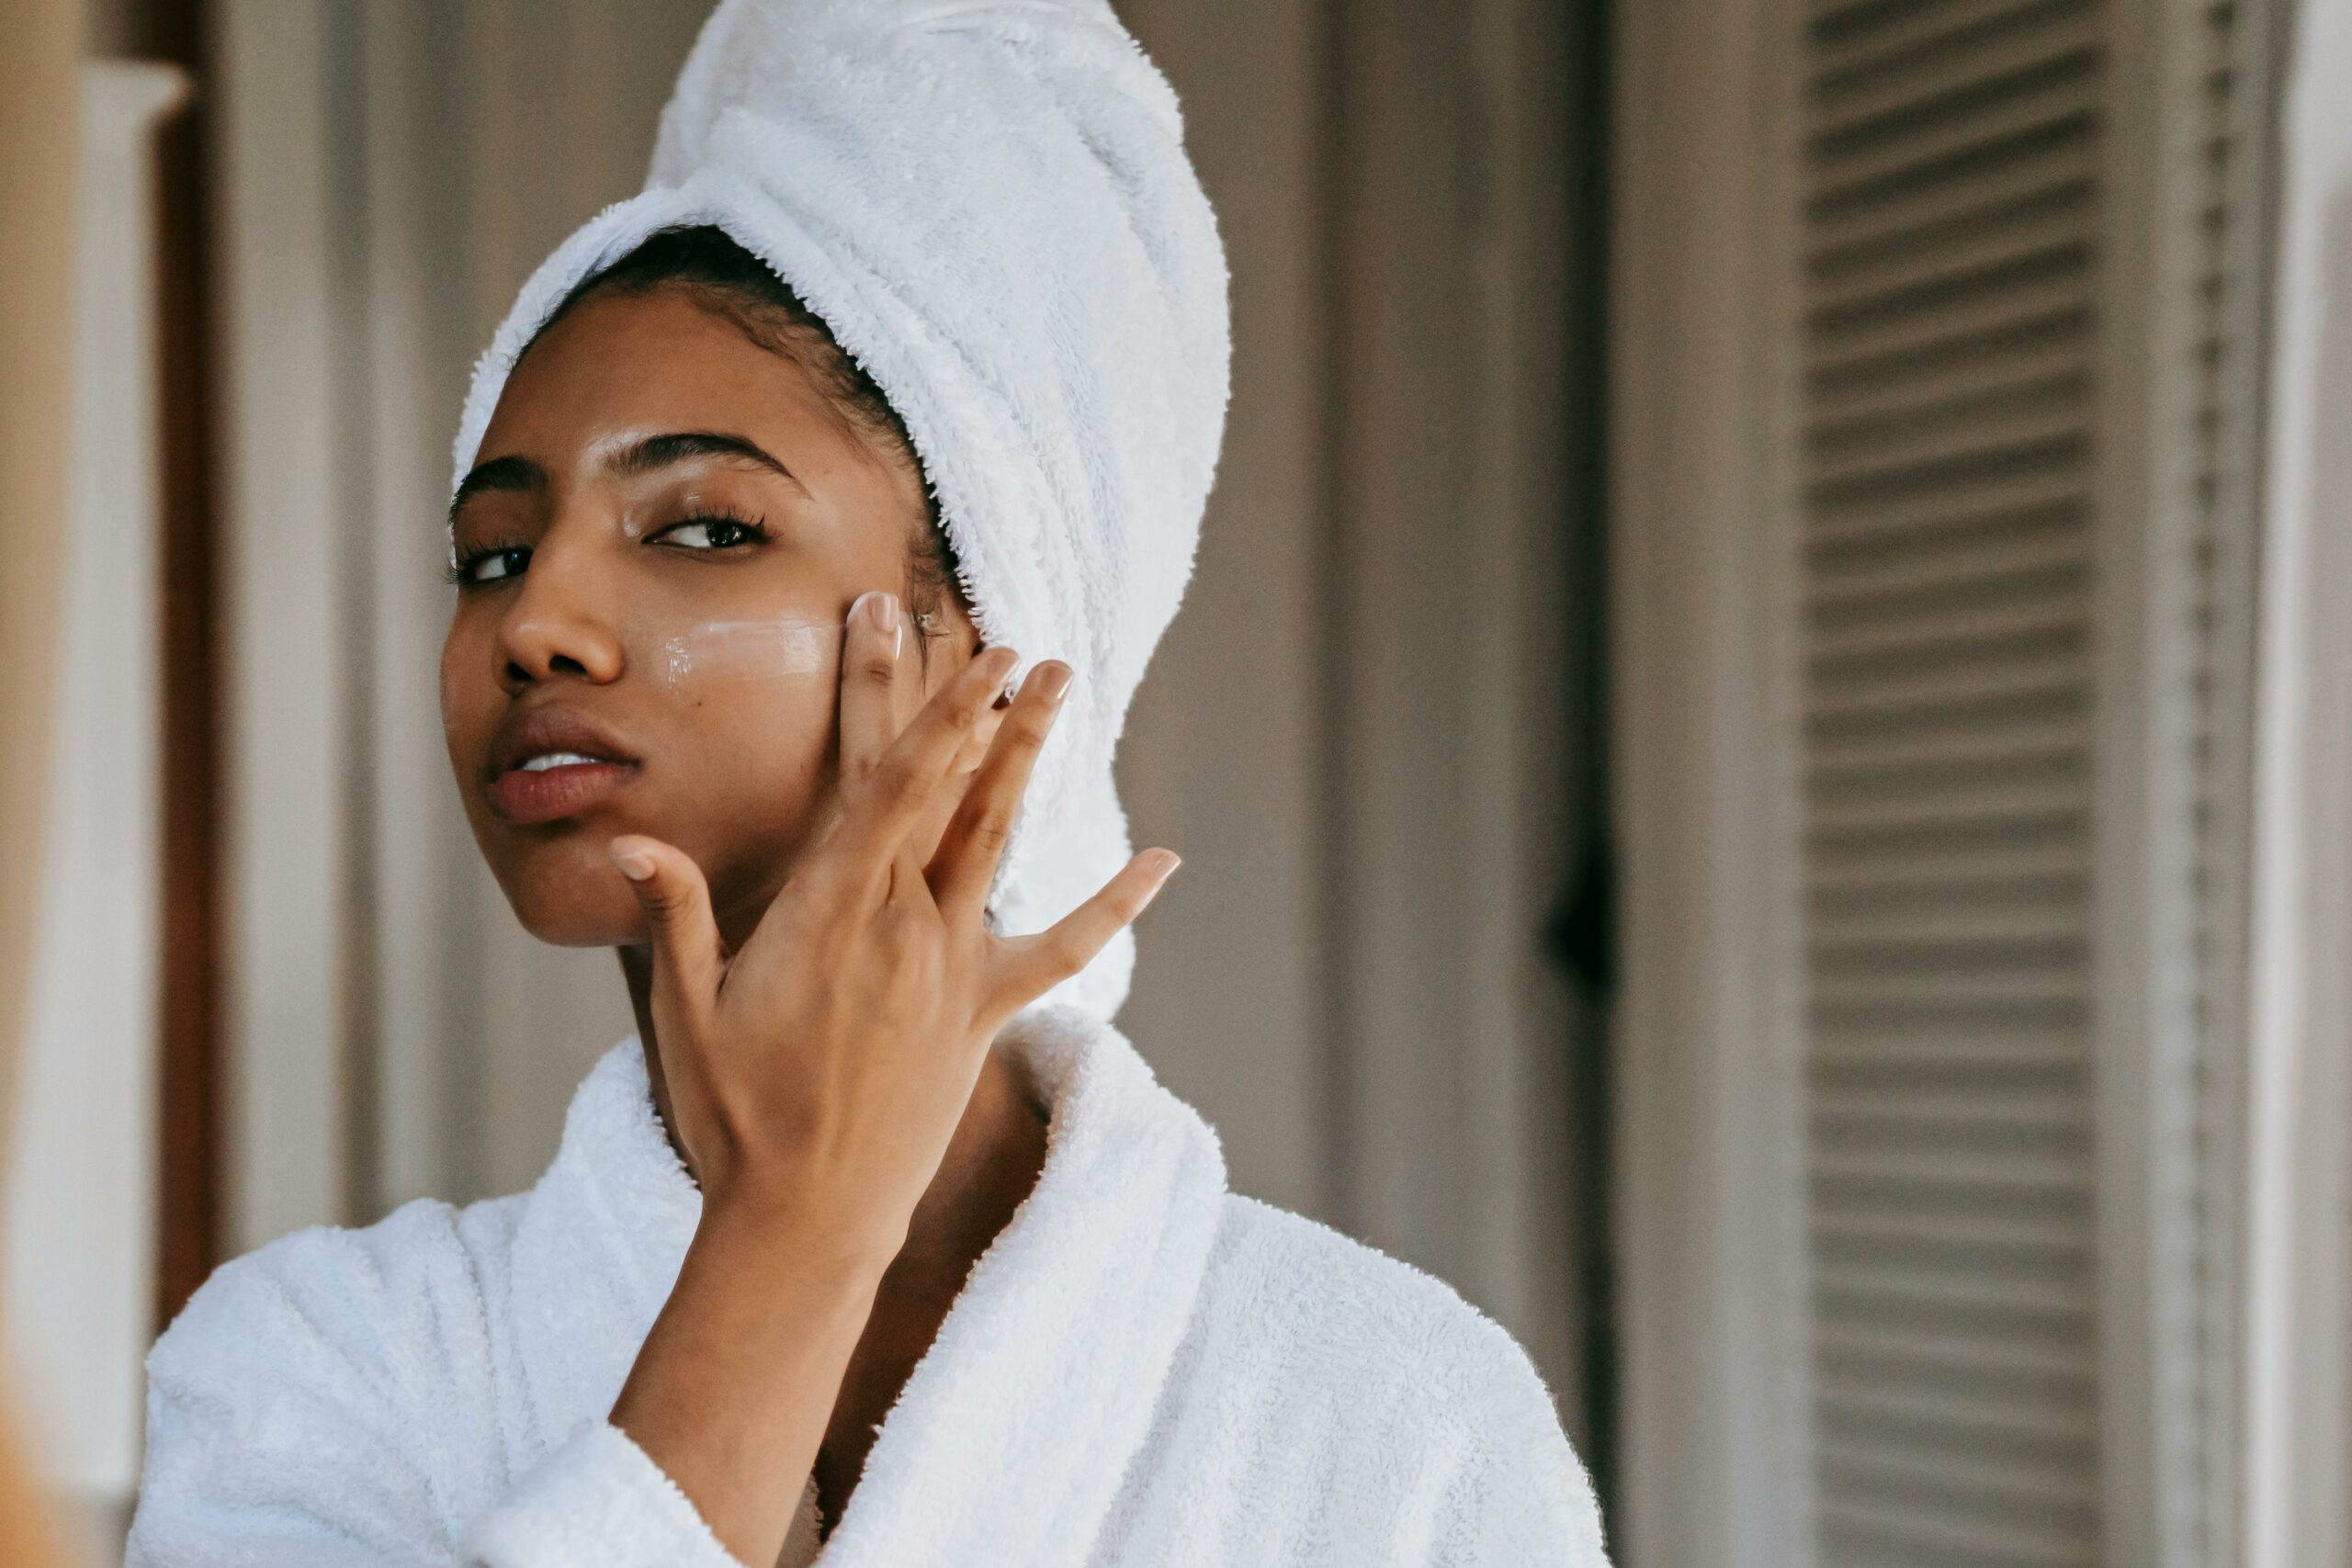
(734, 1388)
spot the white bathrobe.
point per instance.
(1143, 1369)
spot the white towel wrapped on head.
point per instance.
(990, 205)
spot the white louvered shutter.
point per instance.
(2025, 399)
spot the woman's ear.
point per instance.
(946, 638)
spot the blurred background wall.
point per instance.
(1756, 737)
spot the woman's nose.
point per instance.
(557, 628)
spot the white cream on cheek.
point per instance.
(777, 648)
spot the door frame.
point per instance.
(1708, 1210)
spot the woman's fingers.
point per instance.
(874, 644)
(923, 840)
(688, 956)
(894, 796)
(975, 838)
(1029, 966)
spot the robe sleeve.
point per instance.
(598, 1500)
(328, 1403)
(1514, 1491)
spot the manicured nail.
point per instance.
(1167, 862)
(635, 864)
(1053, 680)
(882, 609)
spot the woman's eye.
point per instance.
(490, 566)
(709, 534)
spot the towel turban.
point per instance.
(989, 203)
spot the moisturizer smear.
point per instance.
(784, 647)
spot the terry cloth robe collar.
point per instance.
(1054, 1354)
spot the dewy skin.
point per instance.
(774, 649)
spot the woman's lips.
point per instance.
(524, 795)
(551, 760)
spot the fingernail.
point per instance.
(882, 608)
(1053, 680)
(1169, 861)
(635, 864)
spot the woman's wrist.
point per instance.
(798, 1235)
(737, 1380)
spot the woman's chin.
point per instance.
(587, 906)
(568, 893)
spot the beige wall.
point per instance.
(37, 109)
(1223, 755)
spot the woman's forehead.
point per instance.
(650, 361)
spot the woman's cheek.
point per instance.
(463, 730)
(754, 707)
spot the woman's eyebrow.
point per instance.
(499, 474)
(682, 447)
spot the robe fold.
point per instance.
(1143, 1368)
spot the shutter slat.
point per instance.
(1913, 625)
(1986, 236)
(2015, 1482)
(1970, 434)
(1907, 347)
(2038, 922)
(2039, 374)
(1991, 501)
(2056, 1360)
(1929, 1052)
(2040, 114)
(1840, 758)
(1896, 82)
(2033, 680)
(1847, 38)
(1998, 802)
(1946, 564)
(1966, 1415)
(1879, 1532)
(2063, 169)
(2043, 1174)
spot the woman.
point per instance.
(877, 1239)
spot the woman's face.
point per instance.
(656, 549)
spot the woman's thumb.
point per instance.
(686, 954)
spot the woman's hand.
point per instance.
(823, 1067)
(815, 1077)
